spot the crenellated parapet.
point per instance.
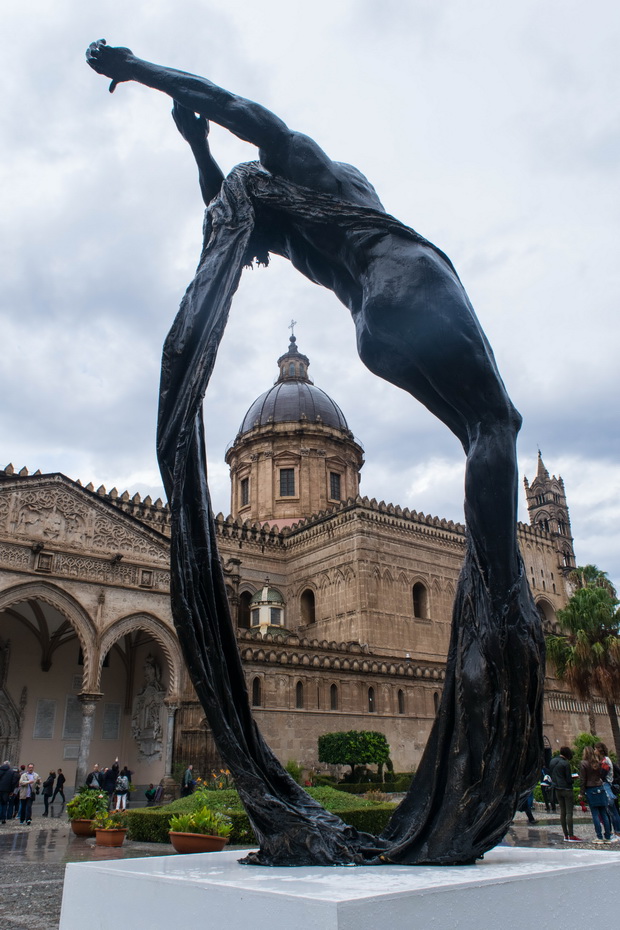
(363, 508)
(301, 652)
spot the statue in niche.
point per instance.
(417, 329)
(146, 727)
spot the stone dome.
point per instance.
(266, 595)
(293, 397)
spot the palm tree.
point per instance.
(590, 576)
(587, 656)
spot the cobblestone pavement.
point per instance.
(33, 860)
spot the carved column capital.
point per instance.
(89, 701)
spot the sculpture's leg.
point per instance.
(485, 745)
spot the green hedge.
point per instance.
(150, 824)
(369, 819)
(398, 786)
(538, 796)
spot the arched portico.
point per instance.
(137, 687)
(48, 641)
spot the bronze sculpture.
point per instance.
(417, 329)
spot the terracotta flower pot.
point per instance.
(113, 837)
(82, 827)
(196, 842)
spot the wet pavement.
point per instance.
(33, 860)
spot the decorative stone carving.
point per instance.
(146, 719)
(15, 556)
(56, 514)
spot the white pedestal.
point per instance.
(513, 888)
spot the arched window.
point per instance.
(547, 615)
(333, 697)
(256, 693)
(291, 369)
(243, 610)
(436, 701)
(307, 607)
(401, 701)
(371, 701)
(420, 601)
(299, 694)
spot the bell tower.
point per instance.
(548, 510)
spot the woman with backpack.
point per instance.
(591, 782)
(607, 774)
(122, 789)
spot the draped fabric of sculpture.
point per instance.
(484, 749)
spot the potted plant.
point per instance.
(110, 829)
(202, 830)
(84, 808)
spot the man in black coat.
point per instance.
(8, 781)
(562, 780)
(59, 789)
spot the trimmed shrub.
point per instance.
(369, 820)
(151, 824)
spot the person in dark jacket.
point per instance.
(562, 780)
(8, 782)
(60, 783)
(48, 790)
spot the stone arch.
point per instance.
(243, 609)
(160, 632)
(420, 600)
(547, 615)
(69, 607)
(307, 605)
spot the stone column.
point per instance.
(89, 705)
(171, 789)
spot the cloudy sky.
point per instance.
(491, 128)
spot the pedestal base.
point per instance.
(513, 888)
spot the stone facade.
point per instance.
(351, 597)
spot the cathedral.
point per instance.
(342, 604)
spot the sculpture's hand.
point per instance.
(193, 128)
(114, 62)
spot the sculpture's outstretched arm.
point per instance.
(284, 152)
(195, 131)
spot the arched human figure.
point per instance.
(416, 328)
(415, 325)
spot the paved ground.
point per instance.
(33, 860)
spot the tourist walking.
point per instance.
(60, 784)
(122, 790)
(48, 790)
(607, 774)
(591, 783)
(109, 782)
(188, 784)
(94, 778)
(546, 788)
(561, 776)
(9, 778)
(29, 783)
